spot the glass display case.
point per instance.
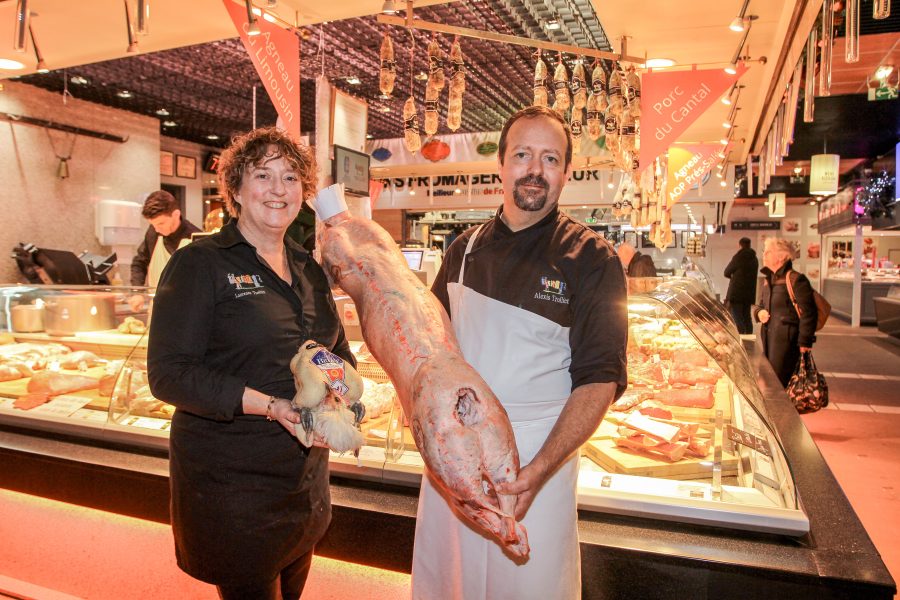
(689, 440)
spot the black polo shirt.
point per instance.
(557, 269)
(223, 320)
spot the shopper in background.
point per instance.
(540, 311)
(635, 263)
(249, 502)
(741, 295)
(167, 233)
(784, 333)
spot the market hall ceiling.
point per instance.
(207, 89)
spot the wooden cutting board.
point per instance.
(19, 387)
(620, 460)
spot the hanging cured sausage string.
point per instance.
(388, 73)
(435, 84)
(457, 86)
(411, 138)
(579, 101)
(541, 97)
(459, 425)
(562, 100)
(596, 102)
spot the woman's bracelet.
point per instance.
(269, 406)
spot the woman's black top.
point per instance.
(247, 497)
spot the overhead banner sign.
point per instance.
(687, 166)
(672, 100)
(275, 53)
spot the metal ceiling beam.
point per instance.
(505, 39)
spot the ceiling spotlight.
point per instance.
(20, 38)
(169, 123)
(421, 76)
(79, 80)
(552, 24)
(719, 175)
(732, 68)
(8, 64)
(724, 141)
(353, 80)
(726, 124)
(212, 136)
(726, 100)
(253, 25)
(737, 24)
(798, 170)
(385, 109)
(162, 112)
(124, 94)
(368, 136)
(388, 8)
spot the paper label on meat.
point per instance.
(332, 366)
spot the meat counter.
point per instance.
(691, 475)
(688, 441)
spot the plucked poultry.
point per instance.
(460, 428)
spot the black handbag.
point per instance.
(807, 388)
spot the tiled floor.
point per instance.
(859, 432)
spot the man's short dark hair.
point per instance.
(159, 203)
(744, 242)
(533, 112)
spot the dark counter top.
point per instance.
(627, 557)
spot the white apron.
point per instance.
(159, 259)
(524, 358)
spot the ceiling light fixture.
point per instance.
(726, 124)
(731, 69)
(20, 38)
(552, 25)
(124, 94)
(659, 63)
(143, 17)
(388, 8)
(353, 80)
(253, 24)
(41, 65)
(79, 80)
(740, 22)
(132, 41)
(369, 136)
(882, 72)
(169, 123)
(162, 112)
(724, 141)
(212, 136)
(8, 64)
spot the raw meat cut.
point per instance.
(699, 397)
(54, 384)
(459, 426)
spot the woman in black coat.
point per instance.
(249, 501)
(784, 332)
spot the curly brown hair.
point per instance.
(253, 149)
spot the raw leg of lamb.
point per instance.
(460, 427)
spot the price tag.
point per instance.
(748, 439)
(62, 406)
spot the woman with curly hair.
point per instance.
(249, 502)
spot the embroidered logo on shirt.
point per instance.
(332, 366)
(246, 284)
(553, 290)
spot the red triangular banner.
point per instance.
(275, 53)
(672, 100)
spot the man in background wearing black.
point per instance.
(742, 272)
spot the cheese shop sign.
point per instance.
(583, 187)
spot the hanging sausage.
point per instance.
(540, 82)
(562, 101)
(434, 86)
(388, 67)
(411, 137)
(579, 86)
(457, 86)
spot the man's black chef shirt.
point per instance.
(223, 320)
(141, 261)
(559, 270)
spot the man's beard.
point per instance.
(530, 200)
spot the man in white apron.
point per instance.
(538, 303)
(167, 233)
